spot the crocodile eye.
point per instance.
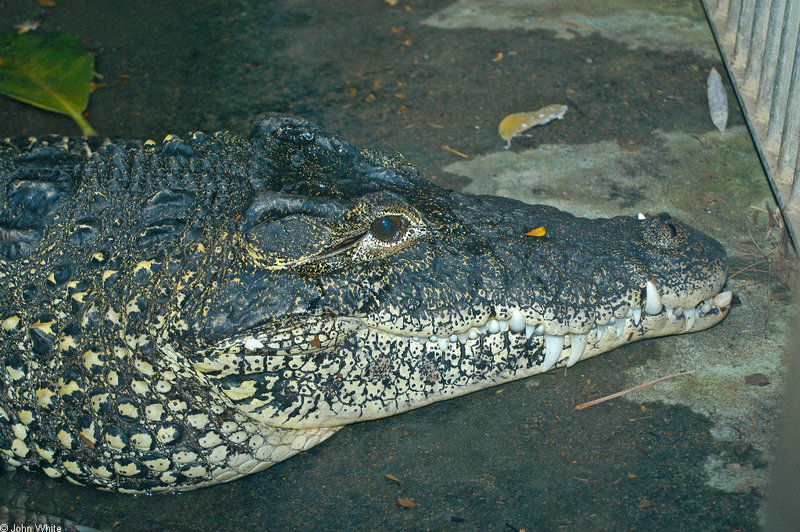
(389, 228)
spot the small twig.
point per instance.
(756, 243)
(629, 390)
(749, 267)
(445, 147)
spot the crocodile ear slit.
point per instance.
(342, 246)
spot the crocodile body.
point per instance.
(181, 315)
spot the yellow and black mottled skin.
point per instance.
(181, 315)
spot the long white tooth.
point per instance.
(529, 330)
(653, 304)
(517, 322)
(691, 315)
(462, 337)
(723, 299)
(473, 333)
(539, 330)
(678, 311)
(601, 330)
(443, 343)
(503, 325)
(637, 315)
(706, 306)
(553, 345)
(576, 349)
(641, 216)
(620, 327)
(453, 338)
(494, 326)
(670, 314)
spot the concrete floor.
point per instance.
(430, 79)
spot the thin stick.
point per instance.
(629, 390)
(463, 155)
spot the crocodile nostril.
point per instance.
(663, 232)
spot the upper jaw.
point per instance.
(565, 346)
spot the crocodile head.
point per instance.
(366, 290)
(183, 315)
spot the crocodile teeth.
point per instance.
(576, 350)
(553, 345)
(601, 330)
(691, 315)
(517, 322)
(723, 299)
(653, 304)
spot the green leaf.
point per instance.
(51, 71)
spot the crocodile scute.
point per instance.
(180, 315)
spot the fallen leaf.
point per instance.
(25, 27)
(538, 231)
(717, 100)
(516, 123)
(50, 71)
(392, 478)
(405, 503)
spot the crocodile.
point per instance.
(182, 314)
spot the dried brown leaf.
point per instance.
(405, 503)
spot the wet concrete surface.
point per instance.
(431, 79)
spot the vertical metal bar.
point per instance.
(777, 113)
(734, 7)
(744, 31)
(770, 59)
(790, 141)
(756, 52)
(794, 198)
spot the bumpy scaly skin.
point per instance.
(181, 315)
